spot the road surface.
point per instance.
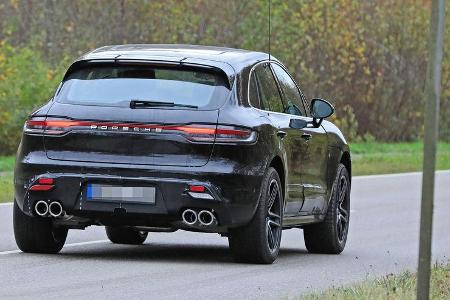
(383, 239)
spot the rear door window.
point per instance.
(292, 97)
(268, 90)
(117, 85)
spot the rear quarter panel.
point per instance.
(337, 145)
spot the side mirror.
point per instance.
(320, 109)
(298, 123)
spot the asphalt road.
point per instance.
(383, 239)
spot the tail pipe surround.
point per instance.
(203, 218)
(55, 208)
(44, 209)
(189, 217)
(207, 218)
(41, 208)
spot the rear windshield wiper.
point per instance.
(147, 103)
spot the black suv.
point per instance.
(156, 138)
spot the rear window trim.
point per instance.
(157, 63)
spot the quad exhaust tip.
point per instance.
(55, 208)
(41, 208)
(206, 218)
(189, 216)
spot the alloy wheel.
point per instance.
(273, 218)
(342, 215)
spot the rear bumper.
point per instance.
(235, 190)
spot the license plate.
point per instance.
(121, 193)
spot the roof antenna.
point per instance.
(270, 5)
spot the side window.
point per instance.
(291, 94)
(253, 92)
(268, 90)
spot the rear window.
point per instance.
(117, 85)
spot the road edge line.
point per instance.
(396, 174)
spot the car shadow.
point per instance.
(175, 253)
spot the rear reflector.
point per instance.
(197, 188)
(192, 132)
(46, 181)
(39, 187)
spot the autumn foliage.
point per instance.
(367, 57)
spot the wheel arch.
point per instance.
(277, 164)
(347, 162)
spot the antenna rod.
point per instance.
(270, 16)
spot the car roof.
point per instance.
(236, 58)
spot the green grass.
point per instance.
(401, 286)
(6, 163)
(379, 158)
(6, 178)
(368, 158)
(6, 187)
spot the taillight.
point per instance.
(193, 132)
(211, 133)
(43, 184)
(52, 126)
(226, 134)
(34, 125)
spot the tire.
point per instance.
(36, 234)
(125, 235)
(330, 236)
(259, 240)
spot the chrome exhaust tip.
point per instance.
(41, 208)
(56, 209)
(189, 217)
(207, 218)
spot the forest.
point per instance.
(368, 58)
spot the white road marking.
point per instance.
(397, 175)
(65, 246)
(6, 204)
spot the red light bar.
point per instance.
(46, 181)
(191, 129)
(55, 123)
(197, 188)
(41, 188)
(193, 132)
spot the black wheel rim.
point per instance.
(273, 218)
(342, 209)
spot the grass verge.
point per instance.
(6, 187)
(379, 158)
(6, 178)
(6, 163)
(401, 286)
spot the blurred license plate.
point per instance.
(121, 193)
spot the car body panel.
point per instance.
(128, 146)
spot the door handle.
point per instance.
(281, 133)
(306, 136)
